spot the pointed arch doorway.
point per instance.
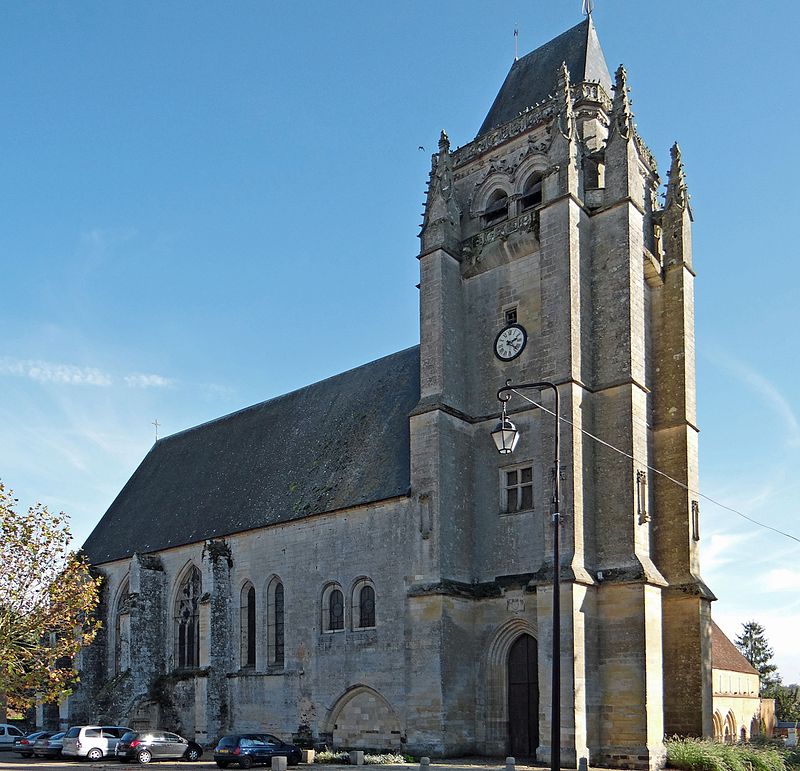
(523, 697)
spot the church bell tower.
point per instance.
(546, 255)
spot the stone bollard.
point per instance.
(424, 764)
(279, 763)
(308, 756)
(356, 757)
(510, 764)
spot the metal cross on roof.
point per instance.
(156, 424)
(588, 7)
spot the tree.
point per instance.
(47, 600)
(752, 642)
(787, 702)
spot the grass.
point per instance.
(704, 755)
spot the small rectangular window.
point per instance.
(518, 489)
(511, 315)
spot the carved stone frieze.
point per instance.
(471, 248)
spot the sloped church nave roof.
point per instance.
(338, 443)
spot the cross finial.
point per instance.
(588, 7)
(156, 424)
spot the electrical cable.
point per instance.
(657, 471)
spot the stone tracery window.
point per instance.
(187, 621)
(122, 629)
(275, 623)
(363, 604)
(332, 609)
(247, 624)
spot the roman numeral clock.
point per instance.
(510, 342)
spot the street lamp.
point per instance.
(506, 436)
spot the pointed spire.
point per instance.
(677, 191)
(441, 224)
(621, 106)
(565, 122)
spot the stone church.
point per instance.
(354, 564)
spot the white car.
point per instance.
(7, 735)
(92, 742)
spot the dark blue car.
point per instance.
(247, 750)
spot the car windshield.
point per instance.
(228, 741)
(128, 736)
(57, 737)
(75, 731)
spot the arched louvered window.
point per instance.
(247, 623)
(496, 208)
(187, 621)
(532, 192)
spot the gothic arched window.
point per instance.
(275, 616)
(122, 629)
(363, 604)
(247, 623)
(332, 609)
(496, 208)
(187, 621)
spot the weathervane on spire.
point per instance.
(516, 43)
(588, 7)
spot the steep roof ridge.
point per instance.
(725, 655)
(532, 79)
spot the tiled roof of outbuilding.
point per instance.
(533, 78)
(339, 443)
(725, 655)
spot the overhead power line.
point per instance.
(658, 471)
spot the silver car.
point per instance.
(92, 742)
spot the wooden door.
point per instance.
(523, 697)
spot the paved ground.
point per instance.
(11, 761)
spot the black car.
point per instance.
(49, 746)
(144, 746)
(247, 750)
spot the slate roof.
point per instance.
(338, 443)
(725, 655)
(533, 78)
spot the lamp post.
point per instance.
(506, 436)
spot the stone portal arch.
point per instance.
(362, 718)
(493, 703)
(719, 729)
(730, 728)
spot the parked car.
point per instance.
(248, 750)
(24, 744)
(8, 733)
(49, 746)
(92, 741)
(144, 746)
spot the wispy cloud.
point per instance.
(71, 374)
(49, 372)
(768, 392)
(140, 380)
(781, 580)
(721, 549)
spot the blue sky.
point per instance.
(204, 205)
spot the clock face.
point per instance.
(510, 342)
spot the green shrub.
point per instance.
(703, 755)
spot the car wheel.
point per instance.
(26, 754)
(94, 754)
(144, 756)
(192, 754)
(246, 762)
